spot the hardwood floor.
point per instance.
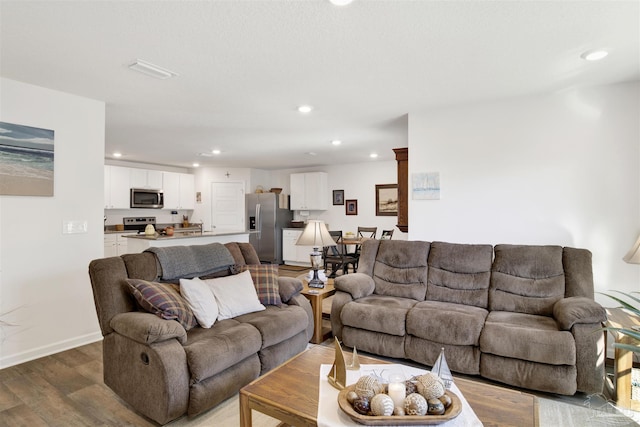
(64, 389)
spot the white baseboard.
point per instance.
(47, 350)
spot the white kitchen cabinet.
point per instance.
(179, 190)
(291, 253)
(143, 178)
(115, 245)
(309, 191)
(110, 248)
(116, 187)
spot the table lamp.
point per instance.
(315, 234)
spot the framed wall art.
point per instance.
(387, 200)
(338, 197)
(425, 186)
(26, 160)
(351, 207)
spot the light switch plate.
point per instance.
(74, 226)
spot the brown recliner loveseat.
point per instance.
(521, 315)
(164, 371)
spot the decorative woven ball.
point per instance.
(430, 386)
(382, 404)
(368, 386)
(415, 404)
(351, 396)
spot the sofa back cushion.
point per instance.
(460, 273)
(578, 273)
(112, 294)
(526, 279)
(399, 269)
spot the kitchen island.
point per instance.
(141, 242)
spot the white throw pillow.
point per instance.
(201, 300)
(235, 295)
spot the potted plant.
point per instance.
(634, 308)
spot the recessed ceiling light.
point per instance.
(216, 151)
(117, 154)
(336, 142)
(340, 2)
(152, 70)
(305, 109)
(373, 155)
(311, 153)
(195, 165)
(594, 55)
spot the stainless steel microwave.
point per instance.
(146, 198)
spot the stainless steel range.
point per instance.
(138, 223)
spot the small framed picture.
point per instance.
(338, 197)
(352, 207)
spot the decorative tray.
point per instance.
(371, 420)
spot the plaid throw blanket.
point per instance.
(192, 261)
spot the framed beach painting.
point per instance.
(387, 200)
(26, 160)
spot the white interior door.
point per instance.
(227, 206)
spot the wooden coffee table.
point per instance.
(289, 393)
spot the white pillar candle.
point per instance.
(397, 390)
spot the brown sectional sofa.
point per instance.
(521, 315)
(164, 371)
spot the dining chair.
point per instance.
(336, 256)
(386, 235)
(363, 233)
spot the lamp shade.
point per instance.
(315, 234)
(633, 256)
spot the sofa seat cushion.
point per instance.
(446, 322)
(527, 337)
(277, 324)
(377, 313)
(211, 351)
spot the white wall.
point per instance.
(358, 180)
(560, 169)
(204, 177)
(43, 276)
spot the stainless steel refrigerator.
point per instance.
(266, 221)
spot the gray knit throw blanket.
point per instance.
(192, 261)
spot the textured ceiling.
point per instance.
(244, 67)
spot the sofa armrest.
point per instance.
(289, 287)
(577, 310)
(147, 328)
(358, 285)
(301, 301)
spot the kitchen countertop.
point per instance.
(111, 230)
(184, 235)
